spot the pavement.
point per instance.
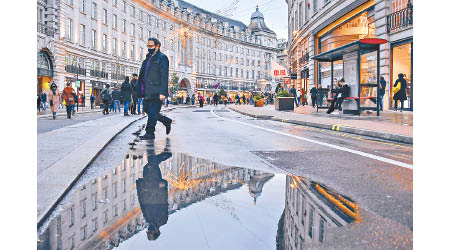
(392, 126)
(64, 154)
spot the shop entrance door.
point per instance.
(402, 63)
(304, 79)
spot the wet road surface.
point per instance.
(216, 184)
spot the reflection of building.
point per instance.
(100, 42)
(319, 26)
(312, 208)
(105, 211)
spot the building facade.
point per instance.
(317, 26)
(90, 43)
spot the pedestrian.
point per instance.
(44, 101)
(293, 93)
(244, 101)
(106, 98)
(116, 100)
(92, 99)
(342, 91)
(322, 92)
(215, 99)
(238, 99)
(76, 100)
(401, 94)
(298, 97)
(134, 94)
(303, 97)
(188, 100)
(313, 93)
(200, 100)
(154, 79)
(193, 99)
(53, 96)
(83, 100)
(278, 88)
(39, 101)
(125, 92)
(382, 91)
(68, 96)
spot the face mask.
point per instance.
(151, 51)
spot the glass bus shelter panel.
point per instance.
(368, 78)
(351, 78)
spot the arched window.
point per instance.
(43, 61)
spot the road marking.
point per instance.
(371, 156)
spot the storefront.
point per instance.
(402, 62)
(45, 72)
(356, 24)
(97, 87)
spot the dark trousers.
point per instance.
(133, 106)
(313, 100)
(69, 111)
(335, 103)
(401, 103)
(106, 108)
(152, 108)
(201, 103)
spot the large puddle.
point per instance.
(157, 199)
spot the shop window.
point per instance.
(402, 63)
(358, 27)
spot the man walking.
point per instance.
(134, 94)
(44, 101)
(154, 87)
(92, 99)
(382, 91)
(313, 93)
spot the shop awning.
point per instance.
(364, 46)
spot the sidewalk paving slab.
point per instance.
(392, 126)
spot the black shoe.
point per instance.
(147, 136)
(54, 117)
(168, 127)
(126, 114)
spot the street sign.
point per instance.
(77, 84)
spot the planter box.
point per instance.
(284, 103)
(259, 103)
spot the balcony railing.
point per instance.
(75, 70)
(100, 74)
(44, 29)
(400, 19)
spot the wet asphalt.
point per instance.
(382, 191)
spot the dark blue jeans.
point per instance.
(153, 107)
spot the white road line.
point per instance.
(371, 156)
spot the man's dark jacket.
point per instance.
(135, 88)
(125, 91)
(154, 76)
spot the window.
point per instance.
(322, 229)
(114, 19)
(133, 11)
(141, 33)
(124, 6)
(149, 33)
(94, 10)
(70, 2)
(71, 216)
(149, 20)
(83, 34)
(133, 31)
(83, 6)
(306, 10)
(69, 29)
(105, 217)
(83, 208)
(72, 242)
(124, 188)
(94, 39)
(141, 15)
(311, 222)
(124, 205)
(132, 52)
(104, 42)
(124, 25)
(105, 16)
(124, 44)
(141, 54)
(115, 213)
(399, 5)
(95, 223)
(115, 3)
(83, 233)
(94, 197)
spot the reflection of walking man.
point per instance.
(152, 191)
(153, 85)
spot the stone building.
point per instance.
(317, 26)
(90, 43)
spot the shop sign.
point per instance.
(77, 84)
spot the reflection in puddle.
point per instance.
(160, 200)
(311, 209)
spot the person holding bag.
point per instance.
(399, 91)
(68, 93)
(53, 96)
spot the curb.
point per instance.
(338, 127)
(64, 114)
(41, 219)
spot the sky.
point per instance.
(274, 11)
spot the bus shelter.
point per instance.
(361, 71)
